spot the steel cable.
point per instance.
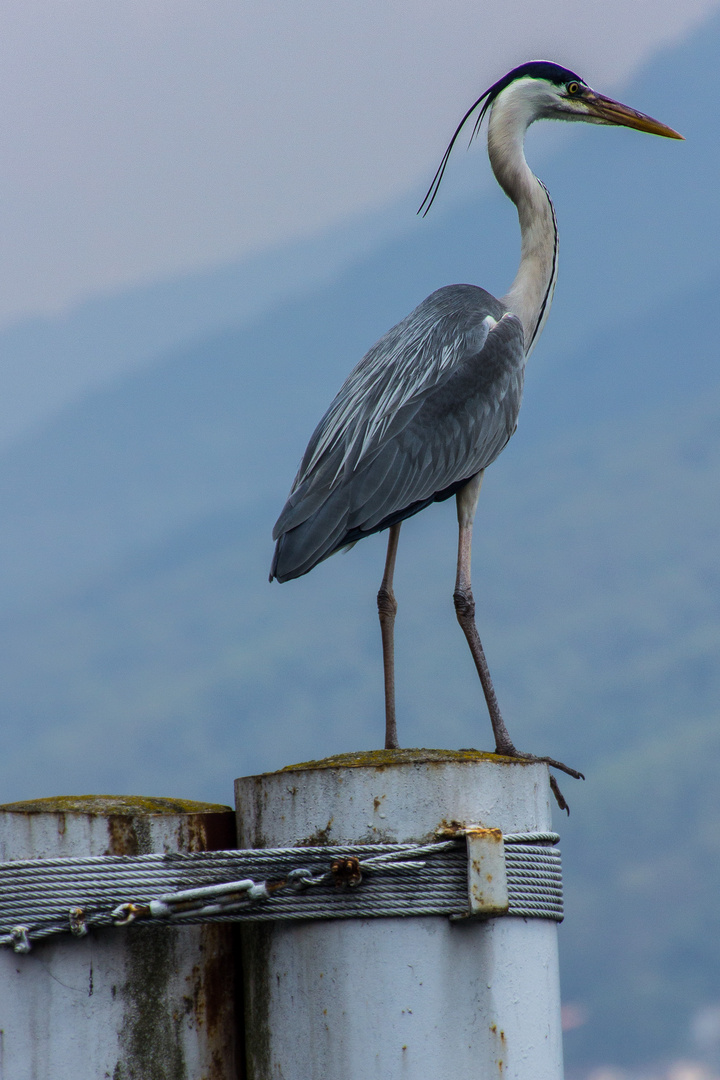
(42, 897)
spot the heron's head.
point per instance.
(542, 90)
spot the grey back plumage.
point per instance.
(432, 403)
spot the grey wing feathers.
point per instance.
(428, 407)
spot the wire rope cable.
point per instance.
(42, 897)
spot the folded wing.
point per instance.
(428, 407)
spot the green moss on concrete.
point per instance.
(381, 759)
(103, 805)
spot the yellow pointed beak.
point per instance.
(607, 111)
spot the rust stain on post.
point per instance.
(319, 838)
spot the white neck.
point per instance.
(531, 292)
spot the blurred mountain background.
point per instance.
(143, 651)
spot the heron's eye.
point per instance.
(573, 87)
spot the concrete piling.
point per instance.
(388, 998)
(135, 1003)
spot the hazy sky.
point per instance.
(142, 138)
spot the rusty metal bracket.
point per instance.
(487, 873)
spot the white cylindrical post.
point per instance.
(384, 999)
(137, 1003)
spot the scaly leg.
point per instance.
(467, 500)
(387, 609)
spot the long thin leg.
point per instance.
(387, 609)
(467, 500)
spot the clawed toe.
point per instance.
(559, 797)
(556, 765)
(552, 763)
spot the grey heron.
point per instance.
(436, 399)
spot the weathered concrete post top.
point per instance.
(385, 998)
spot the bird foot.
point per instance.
(553, 764)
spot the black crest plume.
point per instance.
(536, 69)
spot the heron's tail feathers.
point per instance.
(302, 547)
